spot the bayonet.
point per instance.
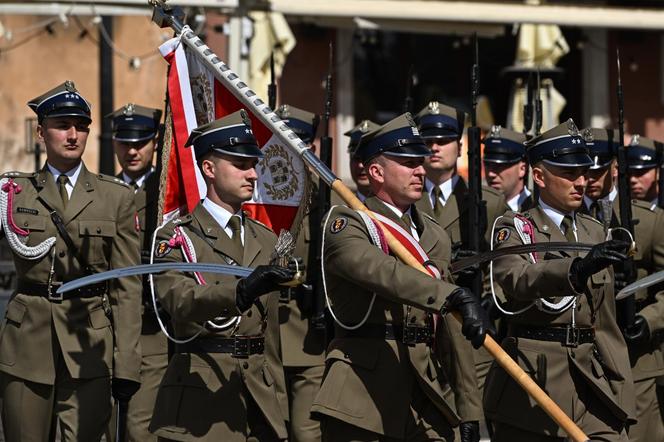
(408, 101)
(272, 87)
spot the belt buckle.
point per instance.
(241, 347)
(572, 336)
(409, 335)
(52, 295)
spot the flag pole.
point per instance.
(165, 15)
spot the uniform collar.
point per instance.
(517, 200)
(139, 182)
(222, 216)
(72, 174)
(556, 216)
(399, 214)
(608, 199)
(446, 188)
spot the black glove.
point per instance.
(475, 323)
(638, 332)
(469, 431)
(123, 389)
(598, 258)
(262, 280)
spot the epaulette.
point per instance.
(180, 220)
(491, 190)
(642, 204)
(588, 217)
(112, 179)
(259, 223)
(431, 218)
(15, 174)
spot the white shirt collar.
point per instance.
(517, 200)
(222, 216)
(72, 174)
(139, 182)
(399, 214)
(557, 216)
(653, 204)
(608, 199)
(446, 189)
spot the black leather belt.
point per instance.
(410, 335)
(237, 346)
(37, 289)
(568, 336)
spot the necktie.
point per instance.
(596, 210)
(437, 205)
(134, 185)
(568, 228)
(408, 221)
(62, 187)
(235, 223)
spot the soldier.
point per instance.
(444, 198)
(135, 130)
(505, 167)
(562, 329)
(382, 381)
(222, 380)
(302, 342)
(357, 171)
(643, 337)
(642, 159)
(62, 356)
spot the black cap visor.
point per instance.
(570, 160)
(409, 150)
(133, 136)
(68, 111)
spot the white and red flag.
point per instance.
(197, 98)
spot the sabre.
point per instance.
(145, 269)
(642, 283)
(163, 15)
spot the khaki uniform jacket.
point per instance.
(647, 360)
(368, 383)
(146, 199)
(100, 221)
(602, 365)
(181, 411)
(301, 345)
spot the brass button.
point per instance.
(25, 224)
(245, 365)
(430, 300)
(98, 229)
(62, 254)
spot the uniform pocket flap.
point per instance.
(97, 228)
(30, 222)
(363, 356)
(98, 319)
(15, 312)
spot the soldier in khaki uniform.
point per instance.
(135, 130)
(358, 172)
(562, 331)
(505, 167)
(382, 380)
(644, 336)
(223, 378)
(63, 356)
(643, 157)
(302, 337)
(444, 198)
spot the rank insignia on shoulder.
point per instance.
(162, 249)
(338, 224)
(502, 235)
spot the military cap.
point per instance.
(602, 145)
(61, 101)
(132, 123)
(561, 146)
(398, 137)
(356, 133)
(643, 153)
(303, 123)
(504, 146)
(230, 135)
(438, 121)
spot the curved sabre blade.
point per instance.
(642, 283)
(145, 269)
